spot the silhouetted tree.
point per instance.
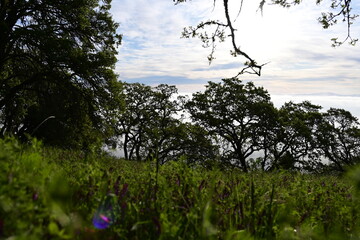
(339, 138)
(150, 127)
(292, 140)
(57, 59)
(195, 144)
(236, 114)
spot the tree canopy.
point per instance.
(235, 112)
(245, 125)
(56, 59)
(234, 124)
(151, 127)
(338, 137)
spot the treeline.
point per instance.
(225, 126)
(231, 122)
(57, 83)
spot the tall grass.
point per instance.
(56, 194)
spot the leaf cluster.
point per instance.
(56, 64)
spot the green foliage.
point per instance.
(339, 138)
(32, 194)
(56, 194)
(243, 121)
(237, 113)
(57, 59)
(150, 127)
(291, 141)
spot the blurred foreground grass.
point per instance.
(56, 194)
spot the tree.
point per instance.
(339, 138)
(340, 9)
(236, 114)
(133, 121)
(150, 127)
(147, 125)
(195, 144)
(56, 59)
(161, 125)
(292, 140)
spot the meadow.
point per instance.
(49, 193)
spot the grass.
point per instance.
(56, 194)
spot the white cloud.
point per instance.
(327, 102)
(301, 58)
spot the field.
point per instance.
(56, 194)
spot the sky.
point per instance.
(302, 65)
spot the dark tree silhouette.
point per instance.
(150, 127)
(339, 138)
(56, 59)
(237, 114)
(292, 140)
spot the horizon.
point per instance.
(325, 101)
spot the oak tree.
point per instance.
(56, 59)
(338, 139)
(292, 141)
(236, 114)
(151, 127)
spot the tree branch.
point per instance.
(251, 66)
(251, 63)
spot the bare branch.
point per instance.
(261, 7)
(251, 63)
(251, 66)
(241, 5)
(208, 41)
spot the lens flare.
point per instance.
(106, 219)
(106, 213)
